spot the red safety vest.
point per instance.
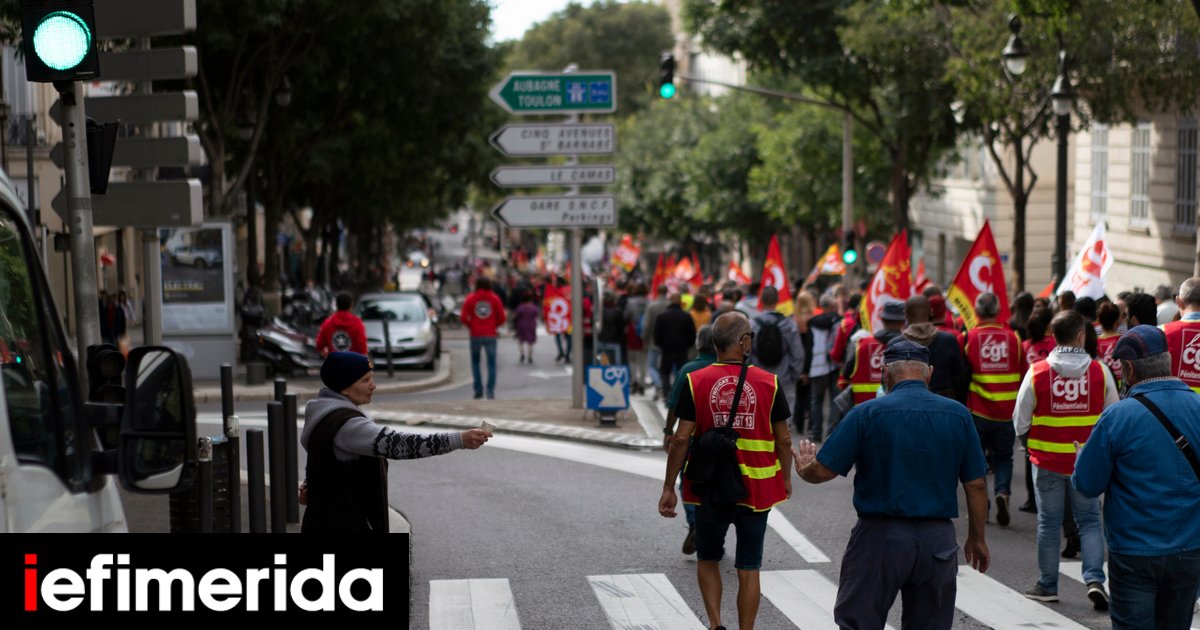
(997, 365)
(1064, 412)
(1183, 341)
(712, 390)
(868, 369)
(1105, 344)
(1038, 350)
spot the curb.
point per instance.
(266, 391)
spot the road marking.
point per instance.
(472, 605)
(643, 601)
(792, 536)
(1000, 607)
(806, 598)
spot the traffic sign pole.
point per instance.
(79, 213)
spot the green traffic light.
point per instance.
(62, 40)
(849, 256)
(667, 90)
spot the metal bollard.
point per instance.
(387, 345)
(275, 459)
(234, 470)
(206, 485)
(290, 460)
(226, 390)
(257, 484)
(280, 389)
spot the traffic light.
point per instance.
(105, 366)
(666, 75)
(849, 251)
(59, 40)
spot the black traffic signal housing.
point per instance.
(666, 75)
(101, 142)
(849, 248)
(105, 366)
(59, 40)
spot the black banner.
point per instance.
(142, 579)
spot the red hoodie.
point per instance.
(483, 313)
(342, 331)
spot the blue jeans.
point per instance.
(997, 438)
(653, 355)
(1153, 591)
(613, 350)
(561, 340)
(822, 385)
(487, 344)
(1053, 490)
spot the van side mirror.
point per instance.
(157, 449)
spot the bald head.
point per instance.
(987, 306)
(1189, 295)
(728, 329)
(917, 310)
(675, 297)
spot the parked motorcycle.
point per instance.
(285, 349)
(450, 314)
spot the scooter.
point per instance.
(286, 350)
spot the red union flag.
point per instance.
(1085, 278)
(774, 274)
(736, 274)
(626, 255)
(556, 309)
(981, 272)
(892, 281)
(658, 278)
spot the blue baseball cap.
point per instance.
(901, 349)
(893, 310)
(1140, 342)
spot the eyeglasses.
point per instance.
(750, 335)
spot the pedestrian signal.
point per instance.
(59, 40)
(666, 75)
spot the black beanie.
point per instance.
(342, 369)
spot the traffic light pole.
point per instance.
(79, 211)
(152, 329)
(848, 187)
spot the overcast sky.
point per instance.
(511, 18)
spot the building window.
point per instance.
(1139, 177)
(1099, 172)
(1185, 177)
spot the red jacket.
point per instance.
(483, 313)
(342, 331)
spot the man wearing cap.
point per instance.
(346, 483)
(1058, 403)
(910, 448)
(864, 370)
(1152, 503)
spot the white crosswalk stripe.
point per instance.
(645, 602)
(472, 605)
(1002, 608)
(806, 598)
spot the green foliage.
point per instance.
(626, 37)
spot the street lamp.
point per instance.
(1015, 53)
(1061, 97)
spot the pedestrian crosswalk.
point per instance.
(650, 601)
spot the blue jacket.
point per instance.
(1153, 502)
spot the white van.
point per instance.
(58, 453)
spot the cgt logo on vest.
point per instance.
(1068, 394)
(1189, 359)
(993, 352)
(877, 363)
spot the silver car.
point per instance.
(412, 326)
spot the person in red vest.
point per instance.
(864, 370)
(483, 313)
(763, 456)
(996, 364)
(845, 329)
(1108, 315)
(1183, 335)
(343, 331)
(1058, 403)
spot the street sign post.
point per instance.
(174, 203)
(567, 211)
(555, 139)
(587, 175)
(531, 92)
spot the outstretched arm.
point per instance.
(807, 466)
(361, 436)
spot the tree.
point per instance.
(608, 35)
(881, 62)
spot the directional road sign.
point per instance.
(175, 203)
(587, 175)
(555, 139)
(532, 92)
(568, 211)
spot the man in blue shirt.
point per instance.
(911, 448)
(1152, 507)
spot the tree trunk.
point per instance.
(1020, 201)
(271, 215)
(310, 252)
(901, 190)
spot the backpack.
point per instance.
(768, 342)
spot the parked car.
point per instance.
(199, 258)
(412, 326)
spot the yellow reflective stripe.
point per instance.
(758, 446)
(996, 378)
(1051, 447)
(1064, 421)
(864, 387)
(1196, 389)
(992, 396)
(765, 472)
